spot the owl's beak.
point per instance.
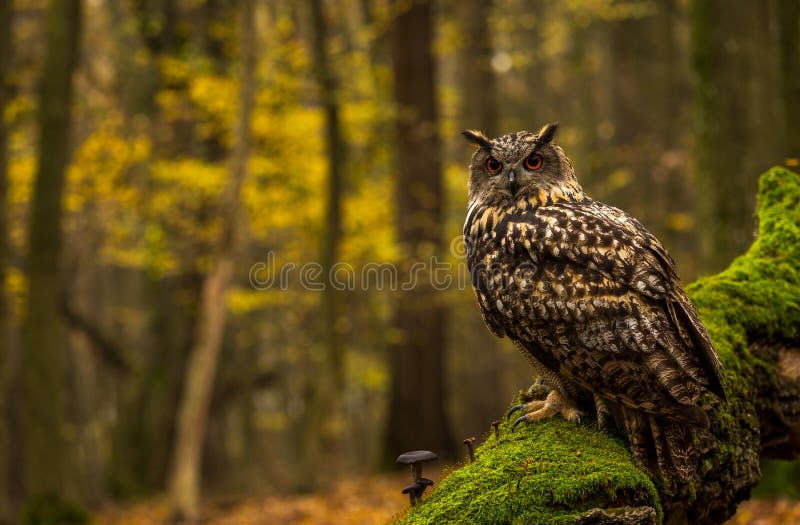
(513, 185)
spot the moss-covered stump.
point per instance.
(559, 472)
(546, 473)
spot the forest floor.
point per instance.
(371, 500)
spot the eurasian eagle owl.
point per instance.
(590, 296)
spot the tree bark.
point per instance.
(719, 33)
(325, 390)
(202, 365)
(634, 108)
(43, 360)
(6, 349)
(479, 108)
(333, 206)
(416, 410)
(789, 33)
(555, 470)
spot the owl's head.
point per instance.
(518, 166)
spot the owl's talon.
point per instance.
(515, 408)
(518, 421)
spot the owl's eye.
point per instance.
(534, 161)
(493, 165)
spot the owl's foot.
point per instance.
(554, 403)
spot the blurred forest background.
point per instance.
(160, 160)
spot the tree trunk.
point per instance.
(584, 104)
(327, 370)
(479, 108)
(556, 470)
(144, 434)
(634, 107)
(674, 190)
(789, 30)
(43, 361)
(719, 63)
(649, 91)
(333, 207)
(416, 417)
(6, 349)
(202, 365)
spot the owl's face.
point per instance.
(517, 166)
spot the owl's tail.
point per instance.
(675, 449)
(663, 447)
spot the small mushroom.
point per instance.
(425, 482)
(468, 442)
(416, 458)
(496, 426)
(416, 489)
(411, 490)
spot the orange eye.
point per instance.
(493, 165)
(534, 162)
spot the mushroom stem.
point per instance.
(468, 442)
(496, 426)
(416, 471)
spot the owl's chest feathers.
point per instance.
(531, 265)
(505, 253)
(523, 233)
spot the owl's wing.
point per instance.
(607, 241)
(475, 254)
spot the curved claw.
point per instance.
(516, 408)
(518, 421)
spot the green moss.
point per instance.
(553, 471)
(545, 473)
(758, 296)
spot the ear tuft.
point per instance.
(547, 133)
(477, 137)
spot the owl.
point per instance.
(590, 296)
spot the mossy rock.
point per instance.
(560, 472)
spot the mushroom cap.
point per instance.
(416, 456)
(469, 440)
(418, 487)
(412, 488)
